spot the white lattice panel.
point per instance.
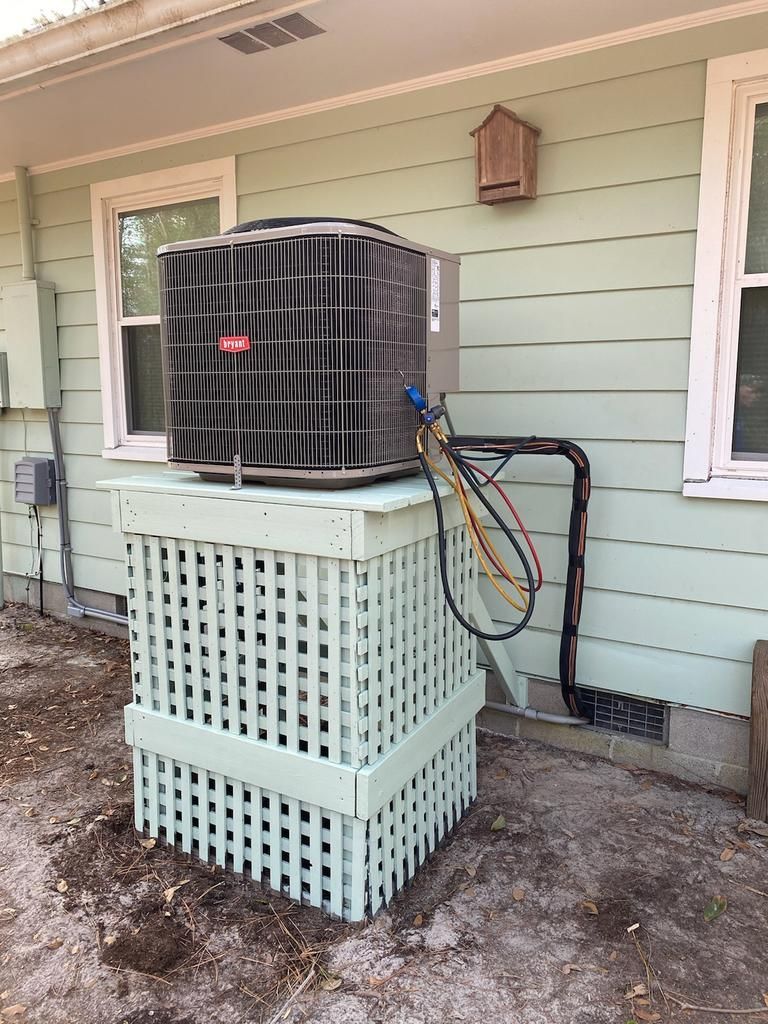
(345, 865)
(247, 641)
(304, 705)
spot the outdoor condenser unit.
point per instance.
(286, 345)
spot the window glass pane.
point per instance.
(757, 224)
(750, 421)
(143, 379)
(142, 232)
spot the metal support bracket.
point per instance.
(515, 686)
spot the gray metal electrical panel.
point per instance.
(30, 341)
(35, 481)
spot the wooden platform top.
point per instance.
(383, 496)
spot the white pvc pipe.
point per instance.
(538, 716)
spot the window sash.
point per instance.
(170, 198)
(132, 411)
(213, 179)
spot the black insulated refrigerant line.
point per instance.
(460, 448)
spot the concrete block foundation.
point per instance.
(702, 746)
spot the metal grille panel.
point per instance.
(616, 712)
(331, 320)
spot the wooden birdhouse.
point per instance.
(505, 157)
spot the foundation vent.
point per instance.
(616, 712)
(268, 35)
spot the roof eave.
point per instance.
(117, 30)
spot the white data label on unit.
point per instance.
(434, 315)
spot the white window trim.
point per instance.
(734, 85)
(212, 178)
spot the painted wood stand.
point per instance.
(304, 706)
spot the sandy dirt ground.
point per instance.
(526, 922)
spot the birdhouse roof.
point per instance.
(499, 108)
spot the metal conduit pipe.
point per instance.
(74, 607)
(538, 716)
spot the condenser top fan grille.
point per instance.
(285, 351)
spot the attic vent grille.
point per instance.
(268, 35)
(615, 712)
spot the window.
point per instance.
(132, 217)
(727, 430)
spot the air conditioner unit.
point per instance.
(286, 345)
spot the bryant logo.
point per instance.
(235, 344)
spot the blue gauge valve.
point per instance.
(417, 399)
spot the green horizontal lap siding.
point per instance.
(726, 578)
(575, 321)
(584, 366)
(615, 414)
(645, 262)
(641, 669)
(664, 312)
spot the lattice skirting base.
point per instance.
(347, 865)
(303, 701)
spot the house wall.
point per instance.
(575, 321)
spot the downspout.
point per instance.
(74, 607)
(25, 223)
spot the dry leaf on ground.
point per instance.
(62, 885)
(499, 823)
(641, 989)
(171, 891)
(751, 825)
(518, 893)
(727, 853)
(590, 906)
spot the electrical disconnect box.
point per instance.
(32, 354)
(34, 481)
